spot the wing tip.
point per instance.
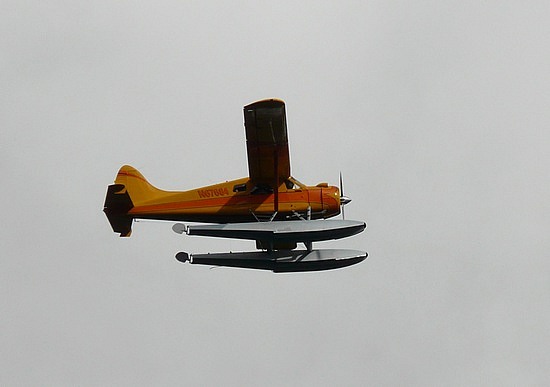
(266, 103)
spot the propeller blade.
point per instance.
(343, 199)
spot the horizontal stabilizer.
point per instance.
(283, 261)
(278, 231)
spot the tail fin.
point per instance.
(130, 188)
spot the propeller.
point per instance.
(343, 199)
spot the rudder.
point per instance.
(130, 188)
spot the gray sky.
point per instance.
(436, 113)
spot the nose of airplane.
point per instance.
(344, 200)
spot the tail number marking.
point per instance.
(214, 192)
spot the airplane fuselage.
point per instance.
(223, 203)
(132, 197)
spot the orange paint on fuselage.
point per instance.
(231, 201)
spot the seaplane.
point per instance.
(269, 206)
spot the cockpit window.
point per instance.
(261, 189)
(292, 183)
(239, 187)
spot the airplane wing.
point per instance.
(267, 143)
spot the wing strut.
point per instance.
(276, 188)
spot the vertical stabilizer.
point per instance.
(130, 188)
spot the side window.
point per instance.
(261, 189)
(293, 184)
(239, 187)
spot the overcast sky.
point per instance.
(437, 113)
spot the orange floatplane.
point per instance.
(256, 207)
